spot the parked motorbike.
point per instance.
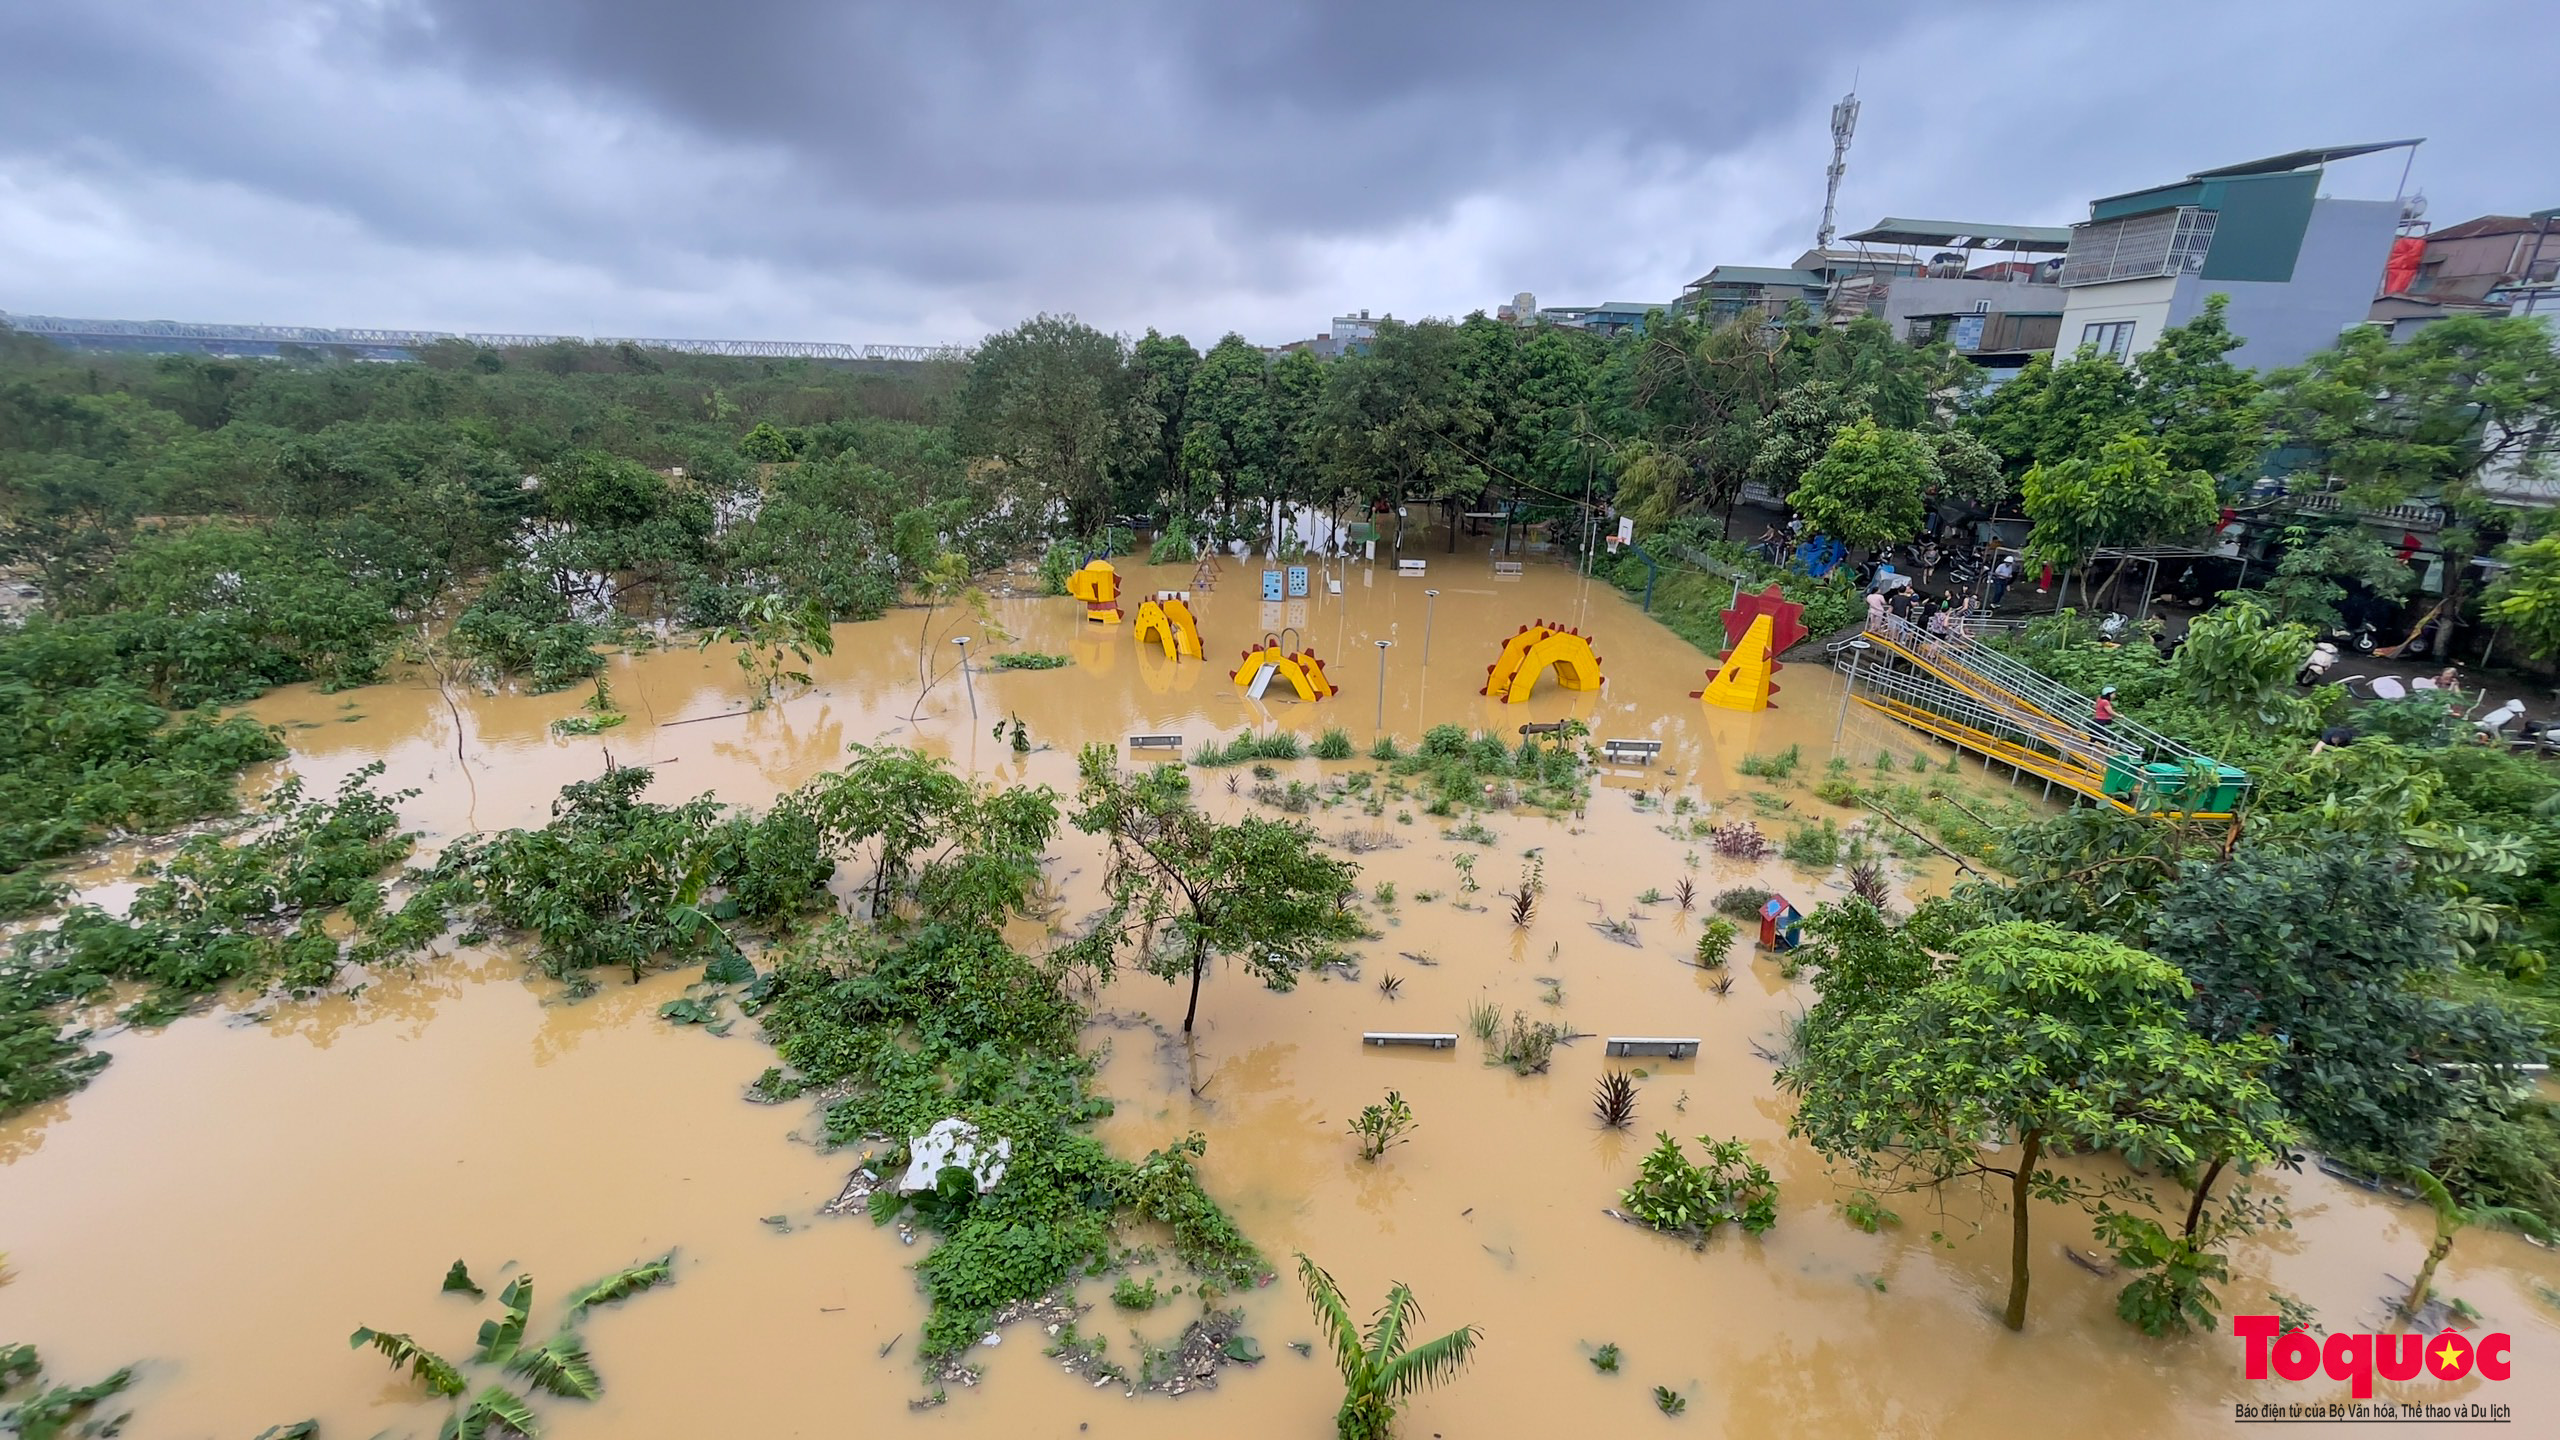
(2534, 735)
(2324, 658)
(2360, 636)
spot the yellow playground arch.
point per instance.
(1166, 618)
(1268, 662)
(1098, 586)
(1535, 649)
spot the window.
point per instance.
(2113, 339)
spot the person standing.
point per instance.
(1875, 610)
(2102, 715)
(2001, 575)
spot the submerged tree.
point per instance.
(2051, 1042)
(1185, 889)
(2451, 1220)
(771, 632)
(1380, 1369)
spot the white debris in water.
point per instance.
(991, 1338)
(954, 1142)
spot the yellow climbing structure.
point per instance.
(1535, 649)
(1742, 682)
(1166, 618)
(1302, 671)
(1098, 586)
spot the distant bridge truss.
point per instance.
(132, 333)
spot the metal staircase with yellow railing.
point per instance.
(1979, 698)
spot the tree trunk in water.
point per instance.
(2204, 1187)
(2030, 1146)
(2426, 1276)
(1199, 966)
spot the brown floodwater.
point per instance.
(240, 1189)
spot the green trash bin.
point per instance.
(2228, 783)
(2165, 786)
(2119, 777)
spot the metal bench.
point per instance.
(1677, 1049)
(1427, 1039)
(1155, 742)
(1542, 727)
(1506, 569)
(1630, 752)
(1409, 567)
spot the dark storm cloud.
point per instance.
(929, 171)
(1315, 117)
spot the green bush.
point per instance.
(1027, 660)
(1815, 847)
(1333, 744)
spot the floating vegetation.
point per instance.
(1027, 660)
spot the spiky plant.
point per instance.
(1379, 1370)
(1722, 985)
(2451, 1219)
(1686, 892)
(1867, 882)
(1389, 985)
(1524, 907)
(1615, 1101)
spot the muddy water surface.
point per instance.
(238, 1191)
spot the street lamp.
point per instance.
(1381, 727)
(1428, 596)
(963, 642)
(1857, 651)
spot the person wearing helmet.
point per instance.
(2103, 713)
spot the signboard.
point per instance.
(1297, 582)
(1270, 584)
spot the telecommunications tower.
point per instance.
(1844, 123)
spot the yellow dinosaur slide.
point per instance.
(1166, 617)
(1267, 662)
(1742, 682)
(1535, 649)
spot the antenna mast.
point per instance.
(1844, 123)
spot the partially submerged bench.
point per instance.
(1677, 1049)
(1155, 742)
(1409, 567)
(1428, 1039)
(1630, 752)
(1506, 569)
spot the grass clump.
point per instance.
(1815, 847)
(1836, 790)
(1333, 744)
(1772, 767)
(1247, 747)
(1384, 748)
(1027, 660)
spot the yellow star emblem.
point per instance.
(2448, 1354)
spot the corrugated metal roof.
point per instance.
(1761, 275)
(2488, 225)
(2296, 159)
(1968, 233)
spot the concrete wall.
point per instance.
(2335, 278)
(2146, 303)
(1909, 295)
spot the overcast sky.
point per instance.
(928, 171)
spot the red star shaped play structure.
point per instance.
(1785, 619)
